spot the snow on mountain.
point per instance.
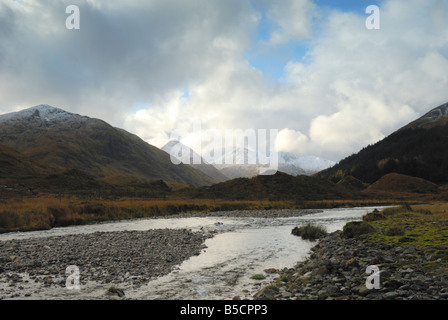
(243, 163)
(40, 113)
(311, 164)
(182, 153)
(90, 145)
(186, 155)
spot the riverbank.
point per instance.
(34, 267)
(408, 245)
(45, 213)
(109, 258)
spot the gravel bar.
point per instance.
(106, 257)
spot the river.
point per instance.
(241, 248)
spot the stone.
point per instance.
(115, 291)
(361, 290)
(391, 295)
(270, 270)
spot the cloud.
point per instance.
(155, 66)
(292, 19)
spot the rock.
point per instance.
(115, 291)
(265, 294)
(390, 295)
(350, 263)
(321, 271)
(345, 291)
(361, 290)
(270, 270)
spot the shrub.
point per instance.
(310, 231)
(395, 231)
(373, 216)
(356, 228)
(258, 277)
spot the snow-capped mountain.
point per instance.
(43, 114)
(311, 164)
(72, 141)
(188, 156)
(241, 162)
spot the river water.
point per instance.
(241, 248)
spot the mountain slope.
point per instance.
(14, 165)
(22, 175)
(279, 186)
(309, 164)
(288, 163)
(419, 149)
(203, 166)
(400, 183)
(68, 140)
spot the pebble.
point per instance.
(336, 270)
(105, 257)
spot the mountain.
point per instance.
(435, 118)
(52, 135)
(14, 165)
(22, 175)
(290, 163)
(203, 166)
(419, 149)
(310, 164)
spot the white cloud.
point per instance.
(354, 87)
(293, 19)
(292, 141)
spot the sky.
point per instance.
(310, 69)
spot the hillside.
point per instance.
(14, 165)
(54, 136)
(393, 184)
(279, 186)
(419, 149)
(24, 176)
(203, 166)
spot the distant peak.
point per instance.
(42, 112)
(437, 113)
(45, 108)
(436, 117)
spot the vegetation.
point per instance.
(414, 152)
(48, 212)
(277, 187)
(310, 231)
(356, 228)
(422, 228)
(258, 277)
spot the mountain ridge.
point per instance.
(69, 140)
(418, 149)
(203, 166)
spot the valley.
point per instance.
(60, 171)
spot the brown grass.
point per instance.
(47, 212)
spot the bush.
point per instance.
(395, 231)
(373, 216)
(356, 228)
(258, 277)
(309, 232)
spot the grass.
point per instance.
(423, 227)
(42, 213)
(258, 277)
(356, 228)
(49, 212)
(310, 231)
